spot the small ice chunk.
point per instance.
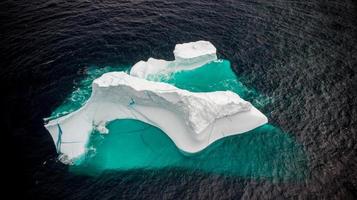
(187, 56)
(101, 127)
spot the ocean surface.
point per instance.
(296, 61)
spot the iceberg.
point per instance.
(192, 120)
(188, 56)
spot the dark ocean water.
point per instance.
(302, 54)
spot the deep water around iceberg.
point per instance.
(298, 56)
(131, 144)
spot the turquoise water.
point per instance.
(214, 76)
(261, 153)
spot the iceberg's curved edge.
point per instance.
(191, 120)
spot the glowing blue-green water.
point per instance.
(215, 76)
(261, 153)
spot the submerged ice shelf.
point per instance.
(192, 120)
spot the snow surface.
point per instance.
(192, 120)
(187, 56)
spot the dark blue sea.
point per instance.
(302, 55)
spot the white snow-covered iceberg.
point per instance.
(191, 120)
(187, 56)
